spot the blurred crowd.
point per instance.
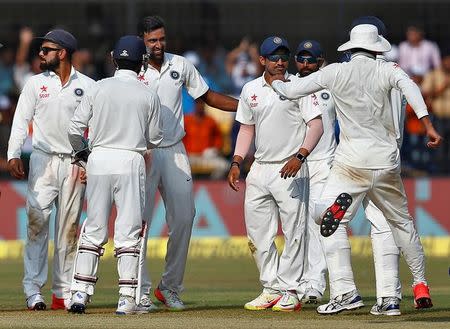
(210, 135)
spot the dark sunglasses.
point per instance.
(276, 58)
(46, 50)
(308, 59)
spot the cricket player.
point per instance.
(309, 59)
(49, 99)
(278, 181)
(123, 117)
(386, 254)
(366, 162)
(170, 171)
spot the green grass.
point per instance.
(216, 290)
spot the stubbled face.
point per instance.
(277, 65)
(304, 66)
(155, 41)
(50, 56)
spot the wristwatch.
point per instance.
(301, 157)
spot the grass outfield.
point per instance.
(215, 294)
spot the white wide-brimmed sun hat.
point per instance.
(366, 36)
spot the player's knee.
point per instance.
(36, 222)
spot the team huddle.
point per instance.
(119, 139)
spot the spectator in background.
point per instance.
(436, 89)
(83, 61)
(242, 65)
(212, 64)
(6, 114)
(203, 142)
(188, 102)
(416, 54)
(6, 70)
(22, 69)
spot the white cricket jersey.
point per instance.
(280, 124)
(361, 90)
(50, 105)
(121, 113)
(176, 71)
(398, 103)
(327, 143)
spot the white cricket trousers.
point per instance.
(315, 266)
(52, 180)
(386, 254)
(114, 176)
(384, 188)
(170, 172)
(268, 197)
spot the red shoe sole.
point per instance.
(422, 298)
(334, 214)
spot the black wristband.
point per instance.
(235, 163)
(301, 157)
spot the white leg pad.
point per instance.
(128, 269)
(86, 264)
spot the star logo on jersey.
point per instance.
(44, 93)
(253, 102)
(141, 78)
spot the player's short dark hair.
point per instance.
(149, 24)
(125, 64)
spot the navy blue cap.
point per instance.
(130, 47)
(372, 20)
(310, 46)
(271, 44)
(62, 38)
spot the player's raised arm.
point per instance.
(220, 101)
(295, 87)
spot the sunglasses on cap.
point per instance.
(306, 58)
(46, 50)
(276, 58)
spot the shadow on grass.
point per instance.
(434, 319)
